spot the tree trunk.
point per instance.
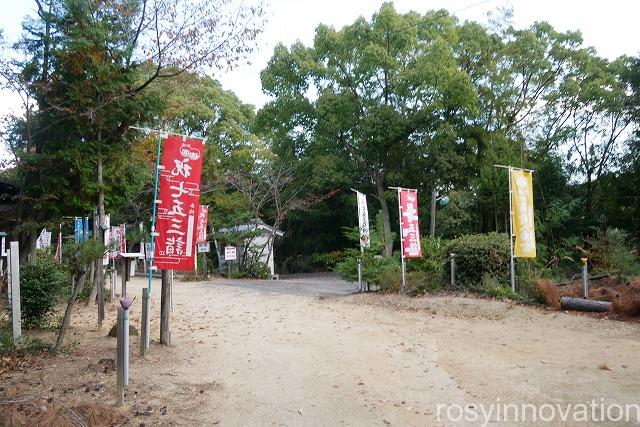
(386, 222)
(92, 280)
(432, 222)
(98, 233)
(67, 314)
(165, 308)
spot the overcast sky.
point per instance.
(609, 26)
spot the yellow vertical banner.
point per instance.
(523, 222)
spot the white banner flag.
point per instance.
(44, 240)
(363, 220)
(107, 238)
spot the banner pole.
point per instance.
(512, 263)
(153, 213)
(403, 262)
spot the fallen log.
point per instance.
(580, 304)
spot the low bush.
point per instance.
(478, 256)
(43, 284)
(256, 270)
(611, 251)
(28, 345)
(427, 274)
(419, 282)
(494, 288)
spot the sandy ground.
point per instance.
(241, 356)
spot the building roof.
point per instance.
(251, 226)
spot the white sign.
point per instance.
(44, 240)
(230, 253)
(363, 220)
(204, 247)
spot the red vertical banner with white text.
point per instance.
(203, 216)
(179, 202)
(409, 223)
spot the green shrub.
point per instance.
(375, 268)
(427, 274)
(388, 277)
(28, 345)
(611, 251)
(497, 289)
(256, 270)
(419, 282)
(43, 284)
(477, 256)
(312, 263)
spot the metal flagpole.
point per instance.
(154, 211)
(512, 265)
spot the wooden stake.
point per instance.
(165, 308)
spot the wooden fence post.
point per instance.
(165, 308)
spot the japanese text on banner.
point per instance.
(203, 216)
(410, 238)
(179, 202)
(363, 220)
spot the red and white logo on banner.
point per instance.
(409, 224)
(203, 216)
(178, 209)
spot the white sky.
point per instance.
(609, 26)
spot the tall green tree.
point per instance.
(90, 65)
(385, 88)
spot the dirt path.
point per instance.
(243, 357)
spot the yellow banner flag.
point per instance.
(522, 205)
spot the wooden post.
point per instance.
(14, 289)
(165, 308)
(453, 270)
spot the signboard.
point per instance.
(229, 253)
(523, 222)
(179, 200)
(410, 237)
(204, 247)
(203, 217)
(363, 220)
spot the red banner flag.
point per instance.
(58, 254)
(409, 224)
(203, 217)
(179, 201)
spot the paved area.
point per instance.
(310, 287)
